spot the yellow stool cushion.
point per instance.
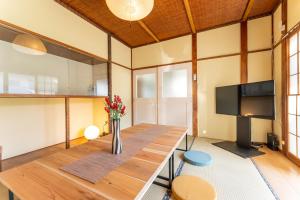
(192, 188)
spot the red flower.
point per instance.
(123, 110)
(107, 100)
(115, 107)
(107, 109)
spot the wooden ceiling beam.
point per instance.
(145, 27)
(248, 10)
(189, 15)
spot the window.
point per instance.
(21, 84)
(294, 97)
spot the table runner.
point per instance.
(96, 165)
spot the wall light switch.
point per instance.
(195, 77)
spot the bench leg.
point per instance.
(10, 195)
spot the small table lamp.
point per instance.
(91, 132)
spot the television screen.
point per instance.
(252, 99)
(258, 100)
(258, 107)
(263, 88)
(227, 100)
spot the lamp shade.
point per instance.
(91, 132)
(29, 44)
(130, 10)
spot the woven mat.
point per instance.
(95, 166)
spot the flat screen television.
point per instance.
(227, 100)
(252, 99)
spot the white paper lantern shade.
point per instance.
(91, 132)
(130, 10)
(28, 44)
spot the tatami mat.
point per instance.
(233, 177)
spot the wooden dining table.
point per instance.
(44, 179)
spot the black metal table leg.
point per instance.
(173, 170)
(171, 175)
(10, 195)
(186, 144)
(170, 171)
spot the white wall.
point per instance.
(166, 52)
(217, 72)
(277, 22)
(31, 124)
(120, 53)
(260, 33)
(50, 19)
(211, 74)
(220, 41)
(121, 85)
(293, 14)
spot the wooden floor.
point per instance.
(281, 173)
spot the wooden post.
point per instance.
(194, 85)
(284, 79)
(244, 52)
(109, 76)
(67, 120)
(132, 111)
(0, 158)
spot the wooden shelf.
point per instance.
(47, 96)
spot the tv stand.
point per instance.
(243, 129)
(243, 146)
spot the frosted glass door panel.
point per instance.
(145, 96)
(146, 85)
(175, 95)
(174, 83)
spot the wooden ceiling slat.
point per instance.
(189, 14)
(168, 18)
(248, 10)
(144, 26)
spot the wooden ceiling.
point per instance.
(169, 18)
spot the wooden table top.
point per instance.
(43, 179)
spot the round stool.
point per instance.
(198, 158)
(192, 188)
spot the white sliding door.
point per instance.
(175, 95)
(145, 96)
(164, 95)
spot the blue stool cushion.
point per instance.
(198, 158)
